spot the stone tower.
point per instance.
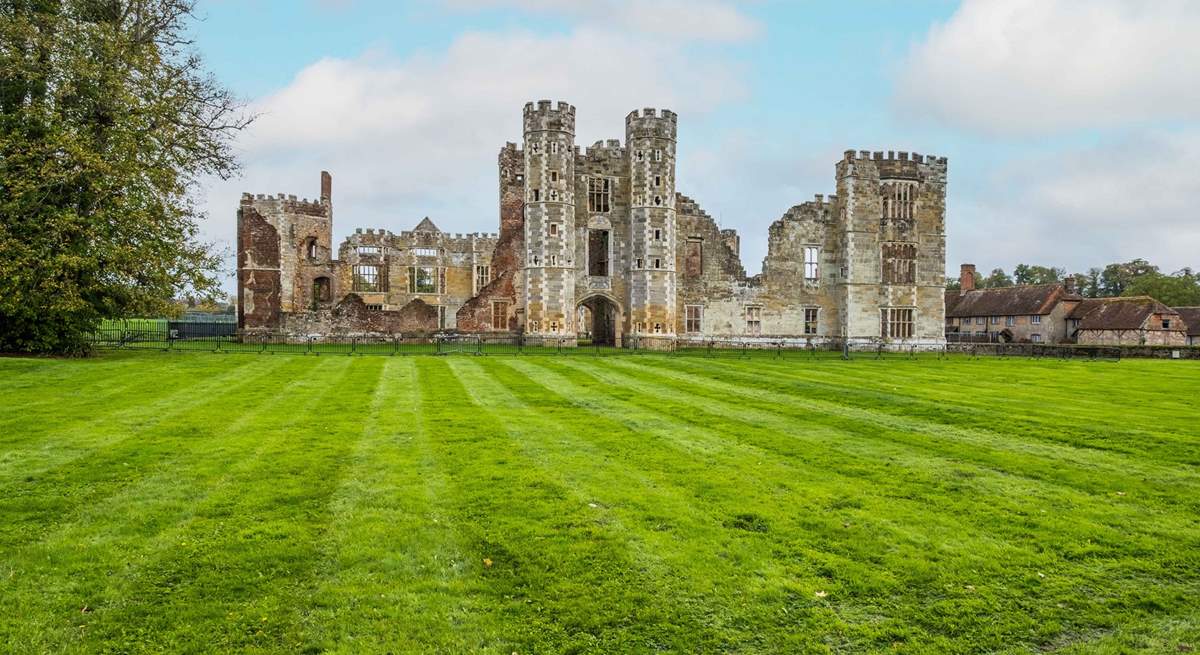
(893, 245)
(550, 218)
(650, 144)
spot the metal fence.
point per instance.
(184, 336)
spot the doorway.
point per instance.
(605, 318)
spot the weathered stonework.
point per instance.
(600, 242)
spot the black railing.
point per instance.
(171, 336)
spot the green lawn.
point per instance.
(155, 502)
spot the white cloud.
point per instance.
(1029, 67)
(1088, 207)
(415, 136)
(684, 20)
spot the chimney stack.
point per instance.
(326, 186)
(1069, 284)
(966, 278)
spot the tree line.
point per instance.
(1133, 278)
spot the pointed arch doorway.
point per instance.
(605, 319)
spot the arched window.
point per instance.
(310, 248)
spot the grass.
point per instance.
(157, 502)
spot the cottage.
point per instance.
(1131, 321)
(1191, 318)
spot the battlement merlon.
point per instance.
(604, 149)
(917, 158)
(543, 117)
(288, 203)
(651, 123)
(892, 164)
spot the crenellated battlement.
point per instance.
(545, 117)
(285, 203)
(651, 123)
(604, 149)
(893, 156)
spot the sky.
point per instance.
(1072, 127)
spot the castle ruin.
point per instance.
(599, 243)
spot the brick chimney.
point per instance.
(1069, 284)
(966, 278)
(326, 186)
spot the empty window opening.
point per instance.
(810, 319)
(554, 147)
(754, 320)
(483, 275)
(598, 252)
(657, 263)
(425, 252)
(812, 263)
(375, 307)
(658, 200)
(537, 194)
(692, 318)
(553, 176)
(639, 263)
(657, 234)
(899, 263)
(321, 291)
(599, 194)
(310, 248)
(366, 278)
(368, 250)
(657, 155)
(657, 180)
(422, 279)
(552, 260)
(553, 229)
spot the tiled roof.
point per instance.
(1117, 313)
(1190, 316)
(1023, 300)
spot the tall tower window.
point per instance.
(899, 263)
(812, 263)
(554, 229)
(599, 194)
(598, 252)
(657, 155)
(554, 147)
(657, 234)
(553, 176)
(537, 195)
(657, 180)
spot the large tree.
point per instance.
(107, 121)
(1179, 289)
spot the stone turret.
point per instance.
(650, 142)
(550, 218)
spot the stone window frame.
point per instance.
(656, 235)
(1035, 319)
(811, 325)
(599, 199)
(310, 248)
(368, 250)
(897, 322)
(367, 278)
(425, 252)
(657, 154)
(692, 324)
(754, 319)
(375, 307)
(483, 275)
(500, 315)
(812, 267)
(414, 286)
(896, 264)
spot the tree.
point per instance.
(997, 278)
(1088, 284)
(1032, 274)
(107, 120)
(1116, 278)
(1179, 289)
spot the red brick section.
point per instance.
(507, 260)
(258, 285)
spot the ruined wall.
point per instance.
(478, 314)
(351, 317)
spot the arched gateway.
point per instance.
(605, 319)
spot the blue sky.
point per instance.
(1070, 125)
